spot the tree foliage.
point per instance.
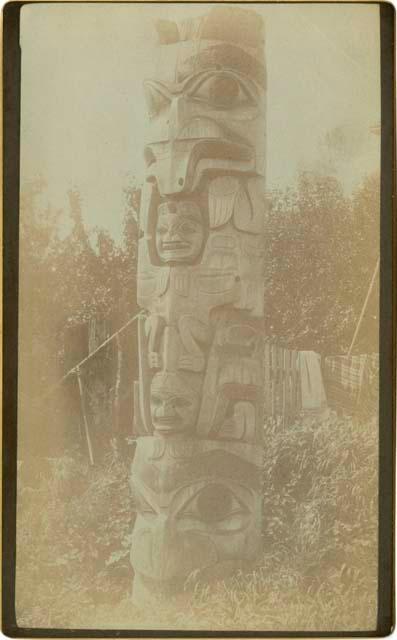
(321, 251)
(67, 279)
(74, 520)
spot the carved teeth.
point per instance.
(175, 245)
(201, 128)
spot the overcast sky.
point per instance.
(83, 115)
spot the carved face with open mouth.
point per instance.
(179, 231)
(174, 406)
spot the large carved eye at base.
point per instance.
(215, 505)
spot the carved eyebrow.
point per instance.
(183, 220)
(169, 90)
(196, 77)
(160, 87)
(194, 80)
(229, 467)
(189, 491)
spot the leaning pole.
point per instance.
(196, 473)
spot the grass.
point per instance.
(318, 570)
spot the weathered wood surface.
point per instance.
(199, 406)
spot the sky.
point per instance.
(83, 114)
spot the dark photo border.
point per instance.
(388, 298)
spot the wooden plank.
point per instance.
(284, 385)
(281, 381)
(273, 370)
(84, 413)
(276, 382)
(298, 386)
(287, 375)
(267, 399)
(293, 384)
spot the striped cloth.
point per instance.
(352, 382)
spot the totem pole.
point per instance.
(196, 474)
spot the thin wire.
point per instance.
(84, 413)
(364, 308)
(87, 358)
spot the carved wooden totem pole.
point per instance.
(196, 474)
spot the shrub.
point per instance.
(318, 569)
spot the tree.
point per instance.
(317, 269)
(365, 239)
(129, 254)
(64, 283)
(38, 253)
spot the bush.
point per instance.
(318, 570)
(74, 525)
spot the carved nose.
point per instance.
(177, 115)
(165, 410)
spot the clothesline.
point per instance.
(76, 368)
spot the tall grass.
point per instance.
(318, 570)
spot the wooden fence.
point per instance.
(295, 383)
(282, 383)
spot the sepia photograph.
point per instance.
(202, 215)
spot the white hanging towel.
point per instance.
(312, 386)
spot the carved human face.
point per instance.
(179, 232)
(198, 512)
(174, 406)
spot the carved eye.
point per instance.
(181, 403)
(156, 100)
(223, 91)
(216, 505)
(188, 228)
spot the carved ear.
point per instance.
(222, 193)
(167, 31)
(249, 209)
